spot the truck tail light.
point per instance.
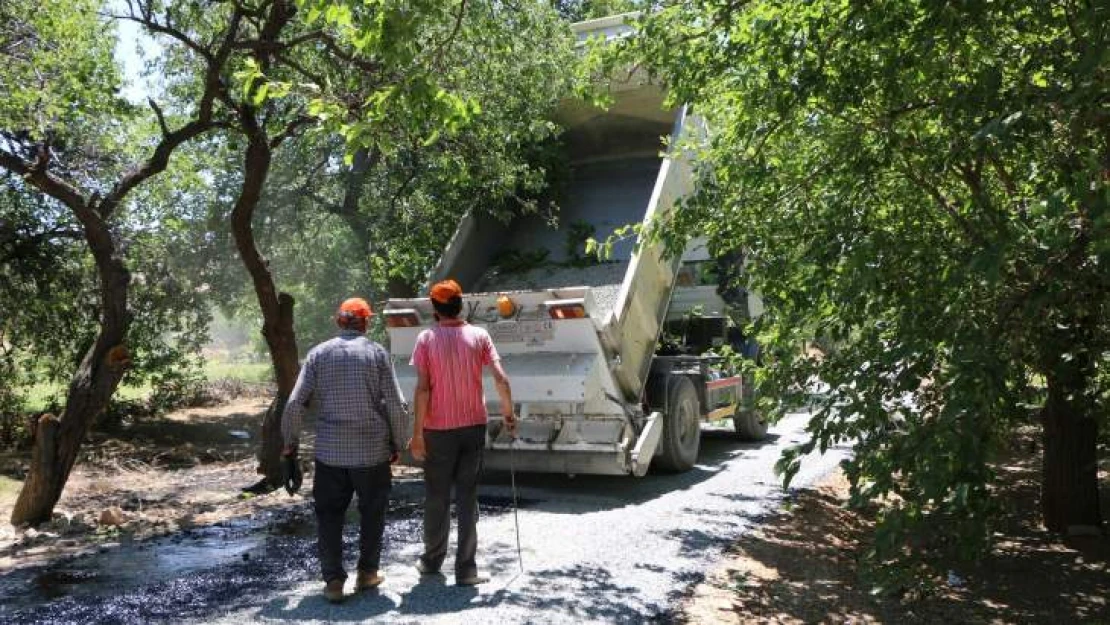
(566, 309)
(402, 318)
(505, 307)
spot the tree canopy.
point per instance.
(64, 94)
(922, 186)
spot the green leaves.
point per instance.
(418, 112)
(56, 65)
(912, 188)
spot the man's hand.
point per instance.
(416, 446)
(510, 423)
(291, 476)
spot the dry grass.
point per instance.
(9, 489)
(801, 567)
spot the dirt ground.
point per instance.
(801, 567)
(152, 478)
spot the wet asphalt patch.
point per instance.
(196, 573)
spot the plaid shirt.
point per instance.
(361, 417)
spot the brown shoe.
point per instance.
(333, 591)
(368, 580)
(471, 580)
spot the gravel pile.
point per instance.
(605, 280)
(605, 299)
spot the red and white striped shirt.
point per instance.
(452, 357)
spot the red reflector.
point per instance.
(407, 319)
(571, 311)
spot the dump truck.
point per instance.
(614, 364)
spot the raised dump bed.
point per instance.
(580, 344)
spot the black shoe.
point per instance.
(261, 487)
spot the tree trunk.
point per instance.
(399, 287)
(276, 307)
(282, 342)
(58, 441)
(104, 363)
(1069, 487)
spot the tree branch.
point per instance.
(364, 160)
(43, 180)
(402, 188)
(300, 69)
(441, 47)
(171, 140)
(291, 130)
(154, 26)
(943, 202)
(161, 118)
(328, 206)
(1003, 174)
(362, 64)
(275, 47)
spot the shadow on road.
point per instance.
(587, 593)
(355, 609)
(581, 592)
(274, 555)
(562, 494)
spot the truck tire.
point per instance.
(748, 421)
(681, 426)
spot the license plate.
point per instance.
(527, 332)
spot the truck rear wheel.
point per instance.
(748, 421)
(681, 426)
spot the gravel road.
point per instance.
(595, 550)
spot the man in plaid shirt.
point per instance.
(361, 425)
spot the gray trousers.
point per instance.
(454, 459)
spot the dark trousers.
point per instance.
(332, 488)
(454, 459)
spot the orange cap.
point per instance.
(355, 307)
(444, 291)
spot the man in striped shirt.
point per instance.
(450, 430)
(361, 425)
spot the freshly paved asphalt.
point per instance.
(595, 549)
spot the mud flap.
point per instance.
(644, 450)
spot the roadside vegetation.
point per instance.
(920, 186)
(806, 564)
(45, 397)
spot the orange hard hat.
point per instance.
(445, 291)
(355, 307)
